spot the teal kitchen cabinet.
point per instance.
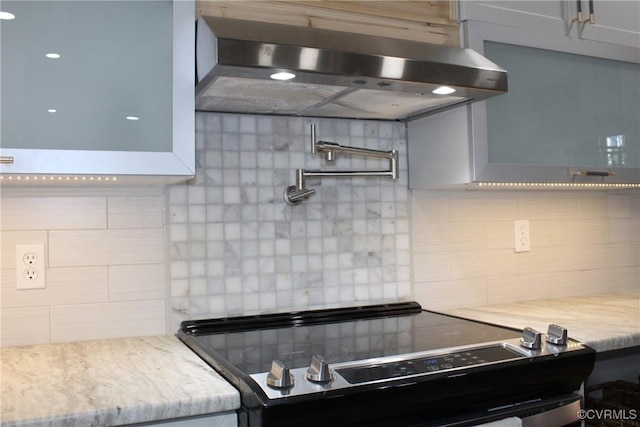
(568, 119)
(98, 88)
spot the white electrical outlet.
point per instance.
(522, 241)
(30, 267)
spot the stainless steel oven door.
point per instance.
(564, 415)
(558, 411)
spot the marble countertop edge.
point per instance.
(125, 415)
(109, 382)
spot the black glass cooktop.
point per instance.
(252, 347)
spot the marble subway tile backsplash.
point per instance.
(237, 248)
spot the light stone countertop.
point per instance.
(133, 380)
(603, 322)
(108, 382)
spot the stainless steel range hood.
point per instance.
(340, 75)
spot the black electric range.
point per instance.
(388, 365)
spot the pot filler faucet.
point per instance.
(295, 194)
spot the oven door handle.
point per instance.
(560, 416)
(549, 412)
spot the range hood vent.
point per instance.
(336, 74)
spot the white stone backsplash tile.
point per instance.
(117, 246)
(503, 288)
(136, 282)
(107, 320)
(582, 243)
(71, 285)
(53, 213)
(623, 279)
(9, 240)
(135, 212)
(105, 263)
(263, 255)
(24, 326)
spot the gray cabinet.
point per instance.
(98, 88)
(565, 115)
(615, 21)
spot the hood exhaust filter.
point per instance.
(263, 68)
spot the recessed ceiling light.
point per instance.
(443, 90)
(52, 110)
(133, 118)
(53, 55)
(283, 75)
(7, 16)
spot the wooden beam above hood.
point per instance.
(425, 21)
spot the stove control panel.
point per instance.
(424, 365)
(320, 376)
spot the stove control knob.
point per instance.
(531, 339)
(556, 335)
(318, 371)
(279, 375)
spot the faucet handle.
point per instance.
(313, 138)
(328, 148)
(293, 196)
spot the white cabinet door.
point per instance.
(615, 21)
(552, 16)
(115, 99)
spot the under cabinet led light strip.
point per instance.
(555, 185)
(58, 178)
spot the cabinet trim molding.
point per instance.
(475, 33)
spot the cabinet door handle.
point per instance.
(580, 18)
(592, 14)
(6, 160)
(594, 173)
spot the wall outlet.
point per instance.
(30, 267)
(521, 242)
